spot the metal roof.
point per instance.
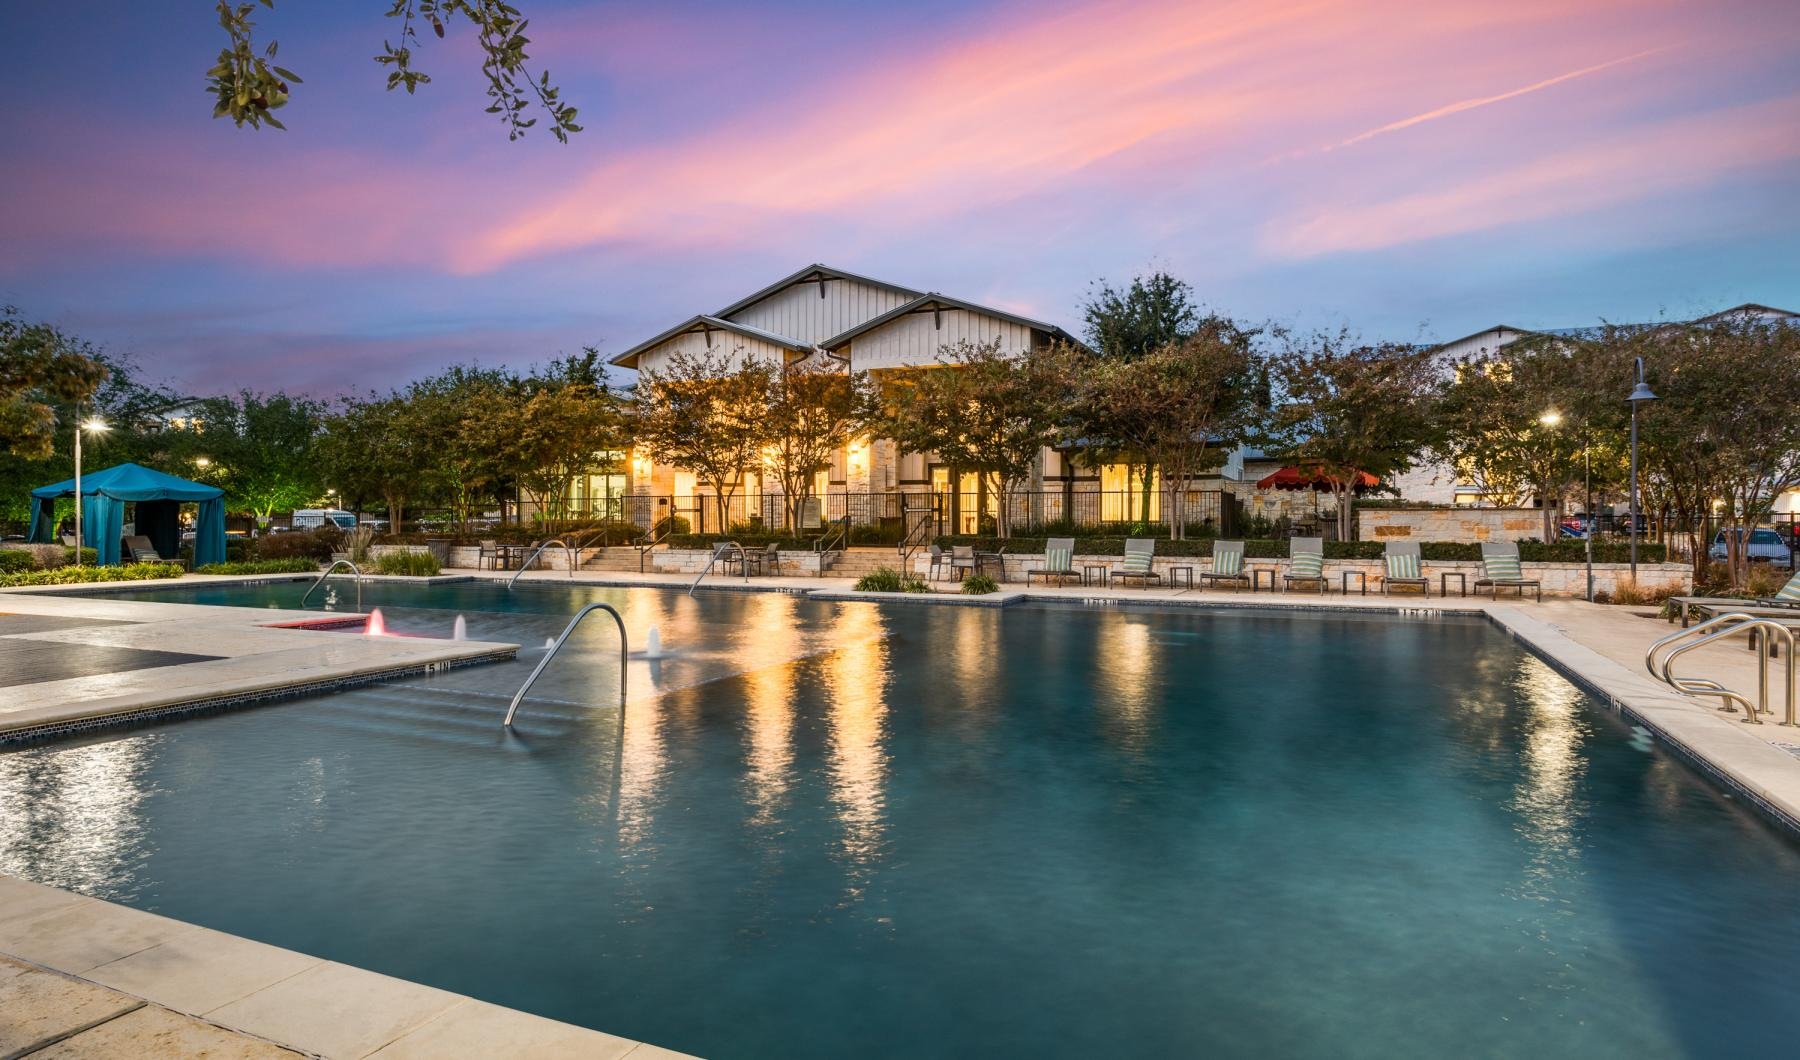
(708, 323)
(933, 300)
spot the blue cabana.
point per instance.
(158, 497)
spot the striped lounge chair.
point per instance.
(1306, 563)
(1139, 552)
(1059, 561)
(1787, 596)
(1227, 564)
(1500, 565)
(1403, 568)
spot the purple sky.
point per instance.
(1410, 169)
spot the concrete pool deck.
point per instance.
(179, 657)
(80, 977)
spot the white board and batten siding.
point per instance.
(799, 313)
(739, 348)
(915, 340)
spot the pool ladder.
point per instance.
(556, 645)
(329, 571)
(1766, 633)
(538, 551)
(719, 551)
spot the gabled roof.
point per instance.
(813, 273)
(707, 323)
(933, 301)
(1487, 331)
(1593, 329)
(1748, 307)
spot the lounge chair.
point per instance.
(1140, 552)
(1306, 563)
(143, 551)
(962, 561)
(1227, 564)
(1500, 563)
(1059, 561)
(1403, 568)
(1787, 599)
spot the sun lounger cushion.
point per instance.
(1306, 565)
(1790, 591)
(1228, 563)
(1058, 560)
(1503, 568)
(1403, 567)
(1137, 562)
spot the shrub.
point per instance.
(295, 565)
(980, 585)
(13, 560)
(89, 556)
(69, 575)
(44, 557)
(888, 580)
(1634, 596)
(316, 545)
(414, 564)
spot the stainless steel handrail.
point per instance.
(538, 551)
(624, 657)
(719, 550)
(328, 572)
(1717, 628)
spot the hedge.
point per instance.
(1440, 551)
(296, 565)
(16, 559)
(131, 572)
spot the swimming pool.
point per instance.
(829, 829)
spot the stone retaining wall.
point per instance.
(1465, 525)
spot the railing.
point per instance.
(719, 550)
(624, 657)
(921, 526)
(1660, 658)
(538, 551)
(835, 539)
(659, 530)
(328, 572)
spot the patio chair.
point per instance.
(1403, 568)
(1227, 564)
(488, 556)
(939, 561)
(1306, 563)
(962, 561)
(995, 559)
(768, 561)
(143, 551)
(1059, 561)
(1140, 552)
(1500, 563)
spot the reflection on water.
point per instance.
(1126, 687)
(858, 679)
(769, 728)
(75, 819)
(1545, 796)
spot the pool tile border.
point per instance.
(140, 717)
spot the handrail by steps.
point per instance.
(624, 657)
(538, 551)
(1659, 660)
(328, 572)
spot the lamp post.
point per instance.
(1640, 393)
(1551, 419)
(97, 425)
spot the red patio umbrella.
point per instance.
(1313, 478)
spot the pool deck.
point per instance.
(173, 658)
(80, 977)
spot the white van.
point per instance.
(313, 518)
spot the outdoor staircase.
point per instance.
(621, 559)
(856, 562)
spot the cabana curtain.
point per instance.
(104, 495)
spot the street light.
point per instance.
(98, 426)
(1552, 418)
(1640, 393)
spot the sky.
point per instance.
(1410, 170)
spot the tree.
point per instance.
(40, 368)
(814, 408)
(566, 423)
(261, 450)
(464, 417)
(248, 87)
(371, 448)
(1153, 312)
(702, 414)
(1344, 408)
(1176, 404)
(980, 410)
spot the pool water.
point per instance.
(822, 830)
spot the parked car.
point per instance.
(1766, 546)
(314, 518)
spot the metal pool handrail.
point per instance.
(1718, 627)
(719, 550)
(538, 551)
(624, 657)
(328, 573)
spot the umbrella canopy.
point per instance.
(1312, 478)
(157, 494)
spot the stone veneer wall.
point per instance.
(1465, 525)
